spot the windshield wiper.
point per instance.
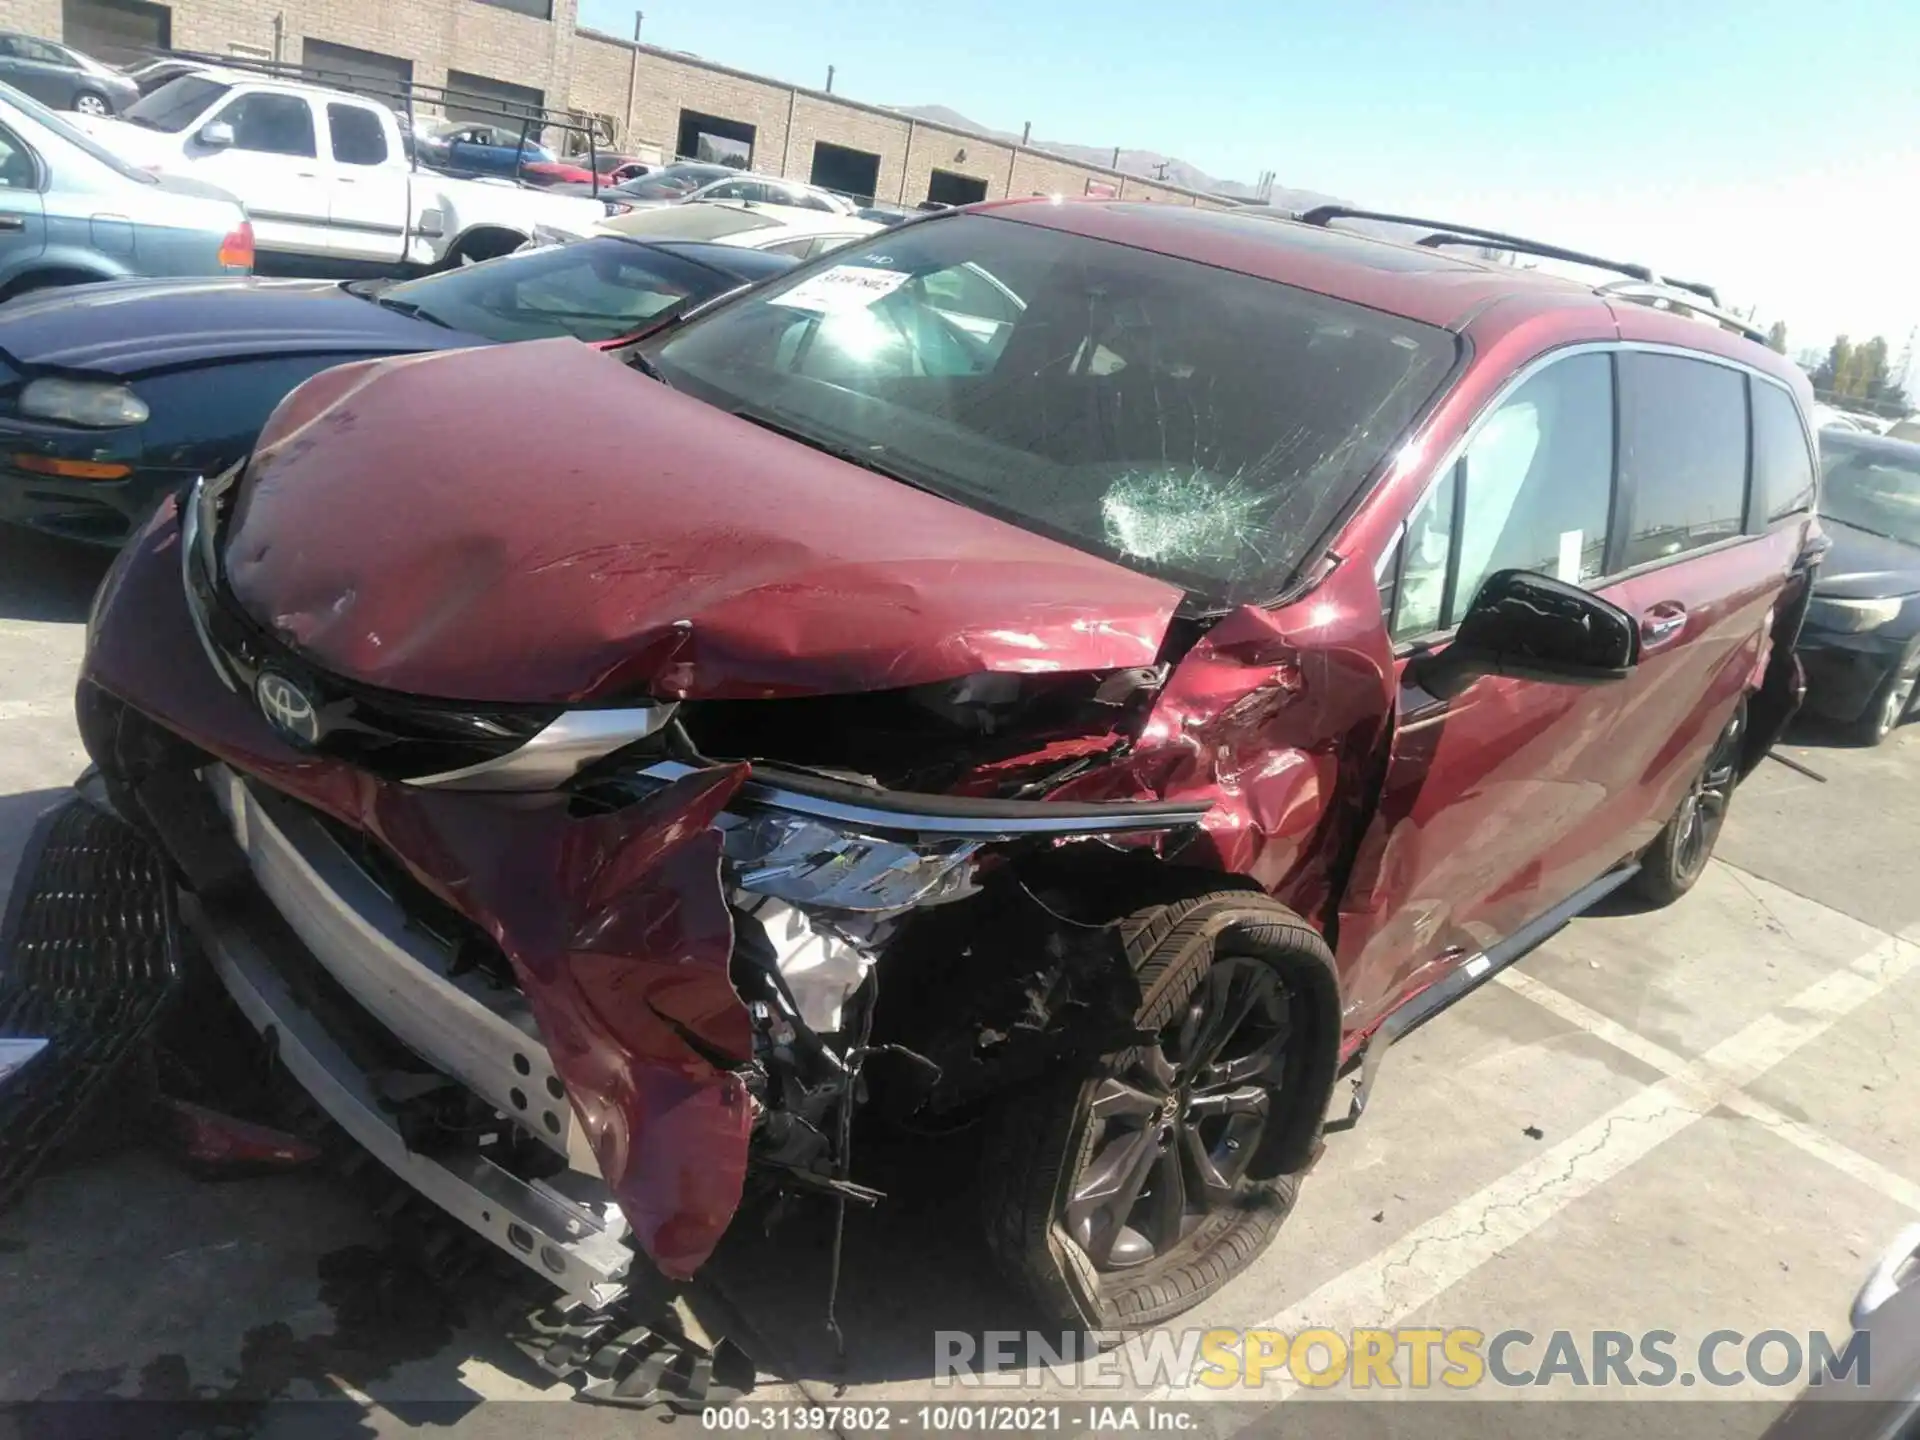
(839, 452)
(409, 309)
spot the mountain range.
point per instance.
(1147, 164)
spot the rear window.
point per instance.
(1782, 463)
(358, 138)
(1195, 423)
(1683, 453)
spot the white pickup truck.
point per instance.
(325, 177)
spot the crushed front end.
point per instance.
(576, 982)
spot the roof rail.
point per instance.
(1663, 295)
(1448, 233)
(1642, 285)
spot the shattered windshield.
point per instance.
(1196, 423)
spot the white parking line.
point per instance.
(1391, 1285)
(1804, 1137)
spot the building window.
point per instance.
(716, 140)
(538, 9)
(844, 170)
(948, 187)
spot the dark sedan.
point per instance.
(111, 396)
(1861, 641)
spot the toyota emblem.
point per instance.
(287, 708)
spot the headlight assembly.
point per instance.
(82, 402)
(1852, 617)
(816, 863)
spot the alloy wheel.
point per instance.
(90, 105)
(1179, 1123)
(1899, 700)
(1705, 808)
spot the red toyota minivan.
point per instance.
(1097, 672)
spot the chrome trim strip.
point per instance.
(553, 754)
(578, 1244)
(866, 820)
(189, 543)
(483, 1037)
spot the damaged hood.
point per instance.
(416, 524)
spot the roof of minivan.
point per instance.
(1414, 281)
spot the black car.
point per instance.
(60, 76)
(113, 395)
(1861, 641)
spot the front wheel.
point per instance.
(1122, 1198)
(1678, 857)
(88, 103)
(1891, 703)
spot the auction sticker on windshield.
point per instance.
(844, 287)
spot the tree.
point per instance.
(1860, 373)
(1830, 372)
(1777, 337)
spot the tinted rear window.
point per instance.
(1782, 463)
(358, 138)
(1198, 424)
(1683, 453)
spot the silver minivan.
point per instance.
(71, 212)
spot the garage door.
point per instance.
(492, 95)
(368, 71)
(116, 31)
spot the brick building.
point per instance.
(642, 98)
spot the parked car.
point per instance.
(326, 177)
(65, 78)
(150, 75)
(667, 183)
(778, 228)
(1872, 1391)
(772, 190)
(480, 149)
(557, 172)
(117, 395)
(71, 212)
(1861, 642)
(1095, 730)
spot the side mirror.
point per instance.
(1530, 627)
(216, 135)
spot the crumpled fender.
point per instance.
(615, 924)
(1276, 716)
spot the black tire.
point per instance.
(1043, 1141)
(488, 245)
(1893, 702)
(1676, 860)
(92, 102)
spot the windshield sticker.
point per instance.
(1181, 516)
(844, 287)
(1572, 543)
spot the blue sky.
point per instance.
(1772, 148)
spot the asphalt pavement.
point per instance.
(1687, 1120)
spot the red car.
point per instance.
(1091, 672)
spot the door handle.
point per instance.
(12, 222)
(1662, 623)
(305, 175)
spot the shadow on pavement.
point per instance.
(913, 1265)
(46, 579)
